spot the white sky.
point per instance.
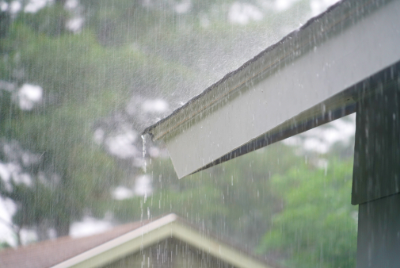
(320, 139)
(29, 95)
(243, 13)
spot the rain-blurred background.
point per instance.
(81, 79)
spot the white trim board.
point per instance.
(304, 77)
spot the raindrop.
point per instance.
(144, 153)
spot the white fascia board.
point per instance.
(304, 77)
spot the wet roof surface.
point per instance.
(52, 252)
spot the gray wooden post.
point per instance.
(376, 177)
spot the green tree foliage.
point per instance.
(317, 226)
(60, 129)
(50, 21)
(82, 82)
(232, 200)
(4, 245)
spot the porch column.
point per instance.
(376, 177)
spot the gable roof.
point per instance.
(52, 252)
(100, 249)
(312, 76)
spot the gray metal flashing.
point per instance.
(301, 82)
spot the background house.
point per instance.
(165, 242)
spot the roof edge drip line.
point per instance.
(229, 83)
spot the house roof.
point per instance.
(312, 76)
(51, 252)
(100, 249)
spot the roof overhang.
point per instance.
(169, 226)
(311, 77)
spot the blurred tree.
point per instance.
(5, 20)
(4, 245)
(317, 226)
(232, 200)
(50, 20)
(65, 165)
(81, 82)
